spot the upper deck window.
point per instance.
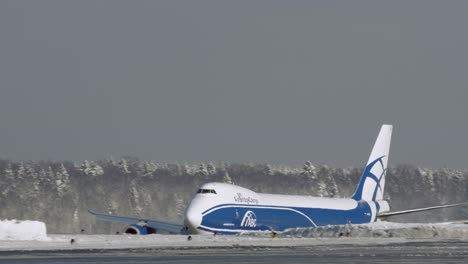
(206, 191)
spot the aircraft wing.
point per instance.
(170, 227)
(386, 214)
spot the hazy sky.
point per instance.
(261, 81)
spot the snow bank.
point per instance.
(22, 230)
(31, 235)
(384, 230)
(179, 242)
(383, 233)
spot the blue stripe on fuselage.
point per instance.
(233, 218)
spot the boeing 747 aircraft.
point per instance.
(228, 209)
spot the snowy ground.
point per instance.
(62, 242)
(386, 230)
(22, 230)
(31, 236)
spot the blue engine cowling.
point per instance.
(139, 230)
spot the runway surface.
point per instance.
(382, 242)
(406, 252)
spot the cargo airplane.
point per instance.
(223, 208)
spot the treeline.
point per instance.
(61, 193)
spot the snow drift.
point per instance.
(384, 230)
(22, 230)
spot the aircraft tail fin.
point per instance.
(372, 183)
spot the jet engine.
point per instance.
(139, 230)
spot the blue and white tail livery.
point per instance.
(371, 186)
(228, 209)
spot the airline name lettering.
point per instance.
(248, 200)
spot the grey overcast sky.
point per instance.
(261, 81)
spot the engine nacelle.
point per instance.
(139, 230)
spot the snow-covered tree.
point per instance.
(135, 196)
(211, 169)
(191, 169)
(96, 169)
(91, 168)
(8, 172)
(33, 175)
(309, 170)
(201, 170)
(9, 183)
(268, 169)
(227, 178)
(179, 205)
(322, 189)
(62, 180)
(20, 171)
(85, 167)
(49, 176)
(123, 166)
(149, 168)
(331, 185)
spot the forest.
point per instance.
(61, 193)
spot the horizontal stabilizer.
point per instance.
(169, 227)
(386, 214)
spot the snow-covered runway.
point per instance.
(381, 242)
(85, 242)
(348, 250)
(369, 234)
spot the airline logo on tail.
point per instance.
(372, 183)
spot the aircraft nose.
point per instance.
(193, 219)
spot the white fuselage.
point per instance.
(227, 208)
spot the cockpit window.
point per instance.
(206, 191)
